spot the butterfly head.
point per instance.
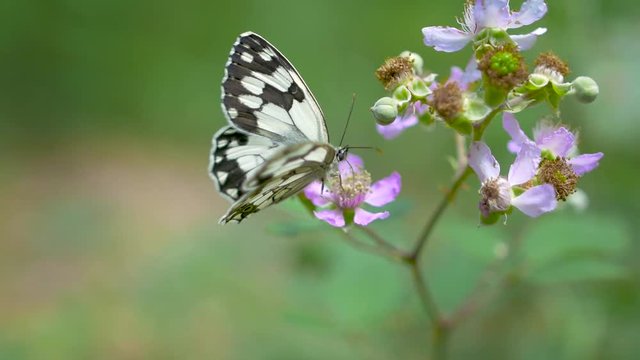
(342, 153)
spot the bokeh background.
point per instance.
(110, 247)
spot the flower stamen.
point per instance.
(395, 71)
(559, 173)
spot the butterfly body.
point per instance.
(277, 140)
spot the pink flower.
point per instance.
(556, 141)
(347, 189)
(497, 192)
(482, 14)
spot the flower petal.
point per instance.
(525, 166)
(331, 217)
(530, 12)
(512, 127)
(558, 142)
(465, 77)
(491, 13)
(536, 201)
(353, 163)
(363, 217)
(446, 39)
(513, 147)
(584, 163)
(526, 41)
(384, 190)
(313, 193)
(482, 161)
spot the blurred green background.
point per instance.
(110, 247)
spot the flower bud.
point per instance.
(416, 59)
(585, 89)
(385, 110)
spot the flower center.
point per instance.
(504, 67)
(552, 66)
(350, 188)
(447, 100)
(395, 71)
(560, 174)
(496, 196)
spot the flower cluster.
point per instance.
(547, 167)
(340, 199)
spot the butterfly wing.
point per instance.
(284, 174)
(263, 94)
(236, 156)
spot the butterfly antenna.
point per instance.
(377, 149)
(353, 102)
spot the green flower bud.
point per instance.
(585, 89)
(385, 110)
(416, 59)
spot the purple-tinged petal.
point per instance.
(353, 163)
(471, 73)
(331, 217)
(466, 77)
(584, 163)
(542, 130)
(445, 39)
(513, 147)
(526, 41)
(530, 12)
(456, 75)
(397, 126)
(482, 161)
(363, 217)
(536, 201)
(491, 13)
(384, 190)
(512, 127)
(559, 142)
(313, 193)
(525, 166)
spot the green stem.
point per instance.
(391, 253)
(442, 206)
(425, 295)
(481, 126)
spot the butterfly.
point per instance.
(276, 142)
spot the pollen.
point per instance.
(552, 62)
(560, 174)
(395, 71)
(504, 67)
(447, 100)
(350, 188)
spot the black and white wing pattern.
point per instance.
(235, 156)
(277, 140)
(263, 94)
(285, 174)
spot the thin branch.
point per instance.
(381, 242)
(395, 255)
(442, 206)
(426, 298)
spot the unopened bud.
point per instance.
(416, 59)
(585, 89)
(385, 110)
